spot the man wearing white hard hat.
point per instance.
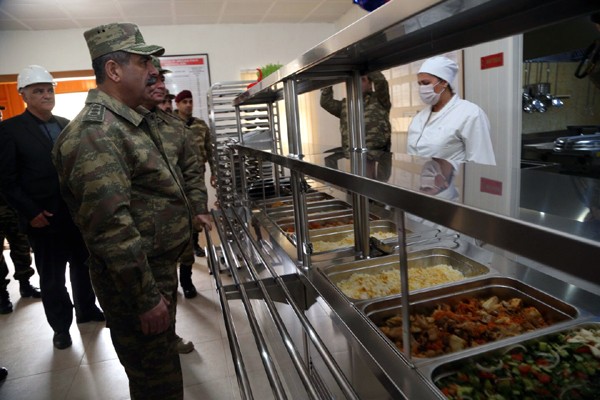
(29, 182)
(449, 127)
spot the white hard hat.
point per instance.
(33, 74)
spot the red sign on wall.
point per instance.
(492, 61)
(490, 186)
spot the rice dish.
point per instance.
(361, 285)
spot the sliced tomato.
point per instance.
(517, 356)
(524, 369)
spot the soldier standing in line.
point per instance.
(201, 134)
(378, 129)
(131, 208)
(20, 254)
(178, 145)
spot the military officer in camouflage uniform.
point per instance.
(378, 129)
(131, 209)
(177, 142)
(201, 135)
(20, 253)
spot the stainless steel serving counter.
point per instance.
(334, 331)
(313, 341)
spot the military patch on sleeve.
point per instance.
(95, 113)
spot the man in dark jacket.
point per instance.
(29, 182)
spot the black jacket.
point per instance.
(28, 178)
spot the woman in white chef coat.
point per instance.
(449, 127)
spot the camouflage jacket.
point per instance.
(180, 148)
(124, 196)
(201, 136)
(377, 105)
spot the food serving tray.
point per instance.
(416, 259)
(552, 364)
(321, 221)
(288, 200)
(311, 208)
(339, 233)
(553, 310)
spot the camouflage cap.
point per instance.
(127, 37)
(156, 63)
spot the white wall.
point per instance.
(230, 48)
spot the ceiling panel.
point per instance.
(68, 14)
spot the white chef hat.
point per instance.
(442, 67)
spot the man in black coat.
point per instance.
(29, 182)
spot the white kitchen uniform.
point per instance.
(460, 131)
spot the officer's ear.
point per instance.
(113, 70)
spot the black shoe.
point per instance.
(95, 315)
(27, 290)
(199, 252)
(3, 373)
(6, 306)
(189, 291)
(62, 340)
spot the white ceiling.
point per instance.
(34, 15)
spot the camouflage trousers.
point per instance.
(20, 252)
(150, 361)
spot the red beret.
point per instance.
(184, 94)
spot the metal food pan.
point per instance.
(288, 200)
(552, 309)
(492, 357)
(329, 219)
(418, 259)
(284, 221)
(339, 233)
(311, 208)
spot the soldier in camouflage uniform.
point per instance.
(201, 135)
(177, 142)
(378, 129)
(20, 254)
(131, 208)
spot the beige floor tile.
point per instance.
(100, 381)
(47, 386)
(218, 389)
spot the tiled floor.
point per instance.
(90, 370)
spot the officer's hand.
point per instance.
(157, 319)
(204, 220)
(213, 181)
(40, 220)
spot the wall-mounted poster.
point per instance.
(189, 72)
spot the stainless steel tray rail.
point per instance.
(234, 346)
(266, 358)
(250, 256)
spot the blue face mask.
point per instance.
(428, 94)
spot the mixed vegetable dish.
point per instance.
(560, 366)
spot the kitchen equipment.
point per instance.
(556, 102)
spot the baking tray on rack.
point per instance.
(459, 317)
(422, 259)
(555, 364)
